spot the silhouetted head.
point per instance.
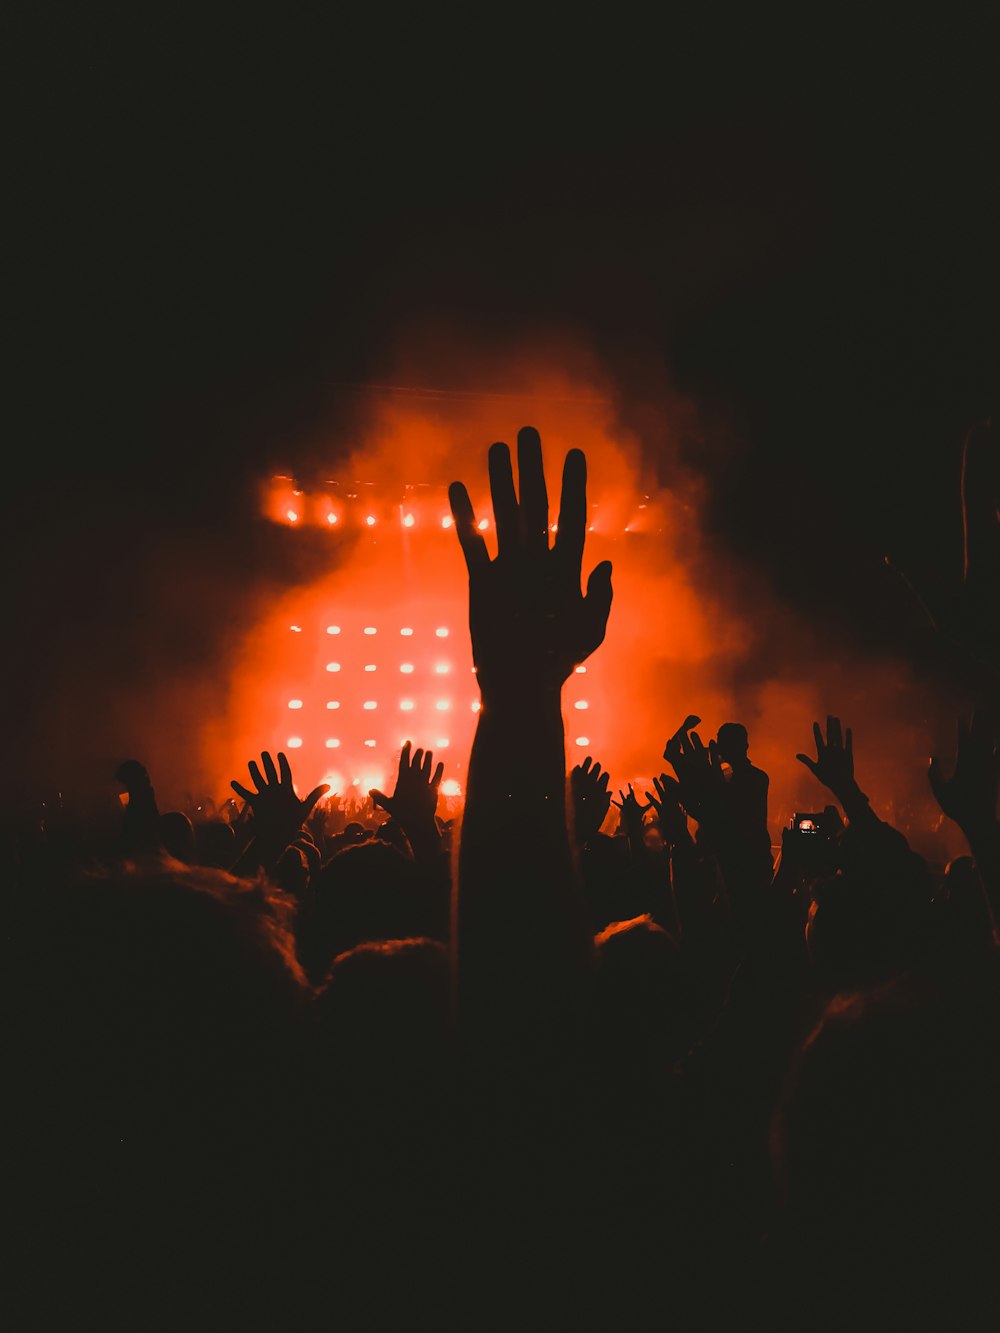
(733, 742)
(177, 836)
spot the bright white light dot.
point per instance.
(581, 671)
(331, 518)
(334, 703)
(406, 705)
(406, 632)
(583, 740)
(450, 788)
(370, 629)
(442, 633)
(476, 706)
(370, 520)
(406, 668)
(442, 744)
(409, 521)
(333, 744)
(553, 527)
(295, 703)
(355, 782)
(292, 516)
(370, 666)
(294, 742)
(446, 522)
(581, 704)
(442, 705)
(370, 744)
(333, 629)
(296, 629)
(333, 666)
(442, 669)
(483, 524)
(369, 704)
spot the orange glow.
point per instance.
(681, 637)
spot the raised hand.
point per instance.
(277, 811)
(834, 762)
(414, 800)
(669, 810)
(529, 621)
(591, 798)
(631, 811)
(969, 796)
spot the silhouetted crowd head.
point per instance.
(579, 1060)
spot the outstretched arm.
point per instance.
(519, 926)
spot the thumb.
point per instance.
(379, 798)
(809, 763)
(598, 598)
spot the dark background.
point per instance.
(793, 223)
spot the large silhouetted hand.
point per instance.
(969, 796)
(530, 625)
(277, 810)
(414, 800)
(834, 762)
(529, 621)
(591, 799)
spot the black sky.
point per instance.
(795, 226)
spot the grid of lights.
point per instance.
(406, 693)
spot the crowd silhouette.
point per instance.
(289, 1062)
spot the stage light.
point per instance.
(370, 520)
(581, 671)
(476, 706)
(333, 743)
(442, 669)
(292, 515)
(442, 705)
(331, 518)
(406, 668)
(581, 704)
(409, 521)
(370, 629)
(296, 629)
(370, 744)
(406, 632)
(583, 740)
(369, 705)
(333, 666)
(333, 629)
(447, 521)
(295, 703)
(370, 666)
(442, 633)
(450, 788)
(294, 742)
(333, 703)
(442, 744)
(483, 524)
(406, 705)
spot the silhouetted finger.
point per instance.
(598, 603)
(309, 803)
(241, 791)
(404, 759)
(849, 741)
(418, 758)
(833, 735)
(809, 763)
(572, 527)
(818, 738)
(284, 768)
(534, 507)
(380, 799)
(504, 499)
(255, 775)
(471, 541)
(438, 775)
(269, 769)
